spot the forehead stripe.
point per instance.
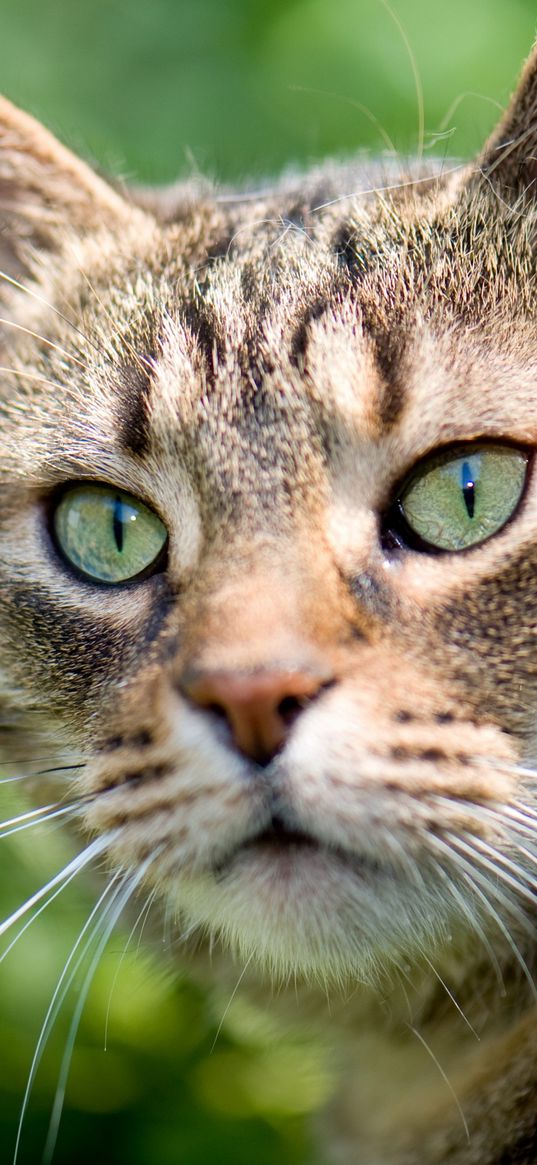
(133, 411)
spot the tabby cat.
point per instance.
(268, 530)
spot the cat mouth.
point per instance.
(276, 838)
(281, 836)
(278, 841)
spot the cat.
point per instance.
(267, 540)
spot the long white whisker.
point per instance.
(114, 911)
(505, 150)
(141, 918)
(474, 879)
(230, 1000)
(44, 906)
(65, 811)
(474, 925)
(28, 815)
(449, 993)
(444, 123)
(515, 869)
(526, 812)
(386, 189)
(521, 770)
(527, 853)
(41, 819)
(471, 878)
(492, 867)
(445, 1078)
(60, 991)
(507, 817)
(93, 850)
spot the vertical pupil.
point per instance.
(468, 489)
(118, 524)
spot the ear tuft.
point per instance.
(509, 160)
(44, 190)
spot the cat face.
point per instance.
(267, 540)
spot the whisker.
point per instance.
(38, 773)
(44, 340)
(150, 901)
(230, 1000)
(44, 906)
(60, 992)
(507, 148)
(450, 994)
(518, 871)
(503, 875)
(141, 918)
(59, 769)
(415, 73)
(81, 860)
(142, 362)
(444, 123)
(514, 826)
(473, 878)
(39, 376)
(498, 813)
(531, 857)
(40, 299)
(474, 925)
(342, 98)
(126, 890)
(386, 189)
(525, 811)
(29, 815)
(445, 1078)
(65, 811)
(505, 767)
(39, 760)
(502, 927)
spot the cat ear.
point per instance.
(44, 189)
(509, 160)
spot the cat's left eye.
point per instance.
(458, 498)
(109, 536)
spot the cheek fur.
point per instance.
(486, 638)
(71, 661)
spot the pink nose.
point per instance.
(259, 708)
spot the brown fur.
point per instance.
(264, 372)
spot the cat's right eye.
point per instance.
(458, 498)
(109, 536)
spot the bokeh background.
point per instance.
(149, 90)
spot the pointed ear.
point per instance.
(44, 190)
(509, 159)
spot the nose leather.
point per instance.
(259, 707)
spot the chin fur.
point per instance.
(310, 915)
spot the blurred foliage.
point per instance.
(151, 89)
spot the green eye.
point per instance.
(459, 498)
(108, 535)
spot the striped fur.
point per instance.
(264, 370)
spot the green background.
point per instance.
(149, 90)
